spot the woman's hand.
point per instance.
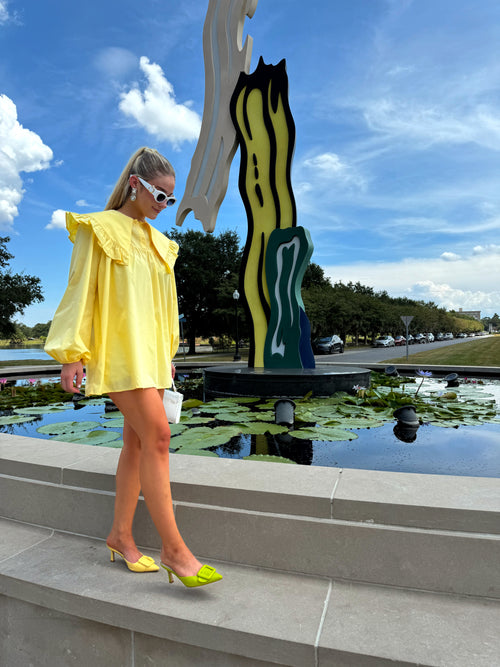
(173, 371)
(69, 373)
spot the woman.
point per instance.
(118, 317)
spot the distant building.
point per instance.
(476, 314)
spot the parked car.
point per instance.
(400, 340)
(384, 341)
(421, 338)
(448, 336)
(328, 345)
(430, 337)
(411, 339)
(440, 336)
(461, 335)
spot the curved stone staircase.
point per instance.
(321, 566)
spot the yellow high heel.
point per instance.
(205, 575)
(144, 564)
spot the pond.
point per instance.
(246, 428)
(23, 353)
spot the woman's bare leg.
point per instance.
(143, 410)
(128, 487)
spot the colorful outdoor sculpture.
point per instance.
(277, 251)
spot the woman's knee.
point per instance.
(158, 442)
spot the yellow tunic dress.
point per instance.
(119, 312)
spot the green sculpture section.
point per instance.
(287, 343)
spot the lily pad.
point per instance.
(262, 415)
(117, 422)
(43, 409)
(259, 428)
(323, 433)
(60, 428)
(267, 457)
(97, 437)
(16, 419)
(191, 403)
(195, 420)
(202, 437)
(176, 429)
(231, 417)
(216, 407)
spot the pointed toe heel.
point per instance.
(205, 575)
(144, 564)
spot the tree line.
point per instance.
(207, 274)
(360, 312)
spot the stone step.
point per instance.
(443, 561)
(63, 601)
(259, 520)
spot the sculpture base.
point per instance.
(222, 381)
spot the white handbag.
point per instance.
(172, 401)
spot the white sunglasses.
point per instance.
(159, 196)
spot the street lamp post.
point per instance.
(236, 296)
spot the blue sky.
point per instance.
(397, 111)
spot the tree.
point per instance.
(17, 291)
(314, 276)
(206, 272)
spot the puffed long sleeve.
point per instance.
(69, 337)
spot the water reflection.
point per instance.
(466, 450)
(405, 432)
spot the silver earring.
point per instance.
(133, 195)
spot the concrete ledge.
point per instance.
(438, 502)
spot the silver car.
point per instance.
(384, 341)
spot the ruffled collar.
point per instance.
(113, 231)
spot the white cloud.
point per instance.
(4, 11)
(115, 62)
(450, 256)
(433, 123)
(6, 15)
(156, 109)
(20, 150)
(58, 220)
(82, 203)
(491, 249)
(330, 168)
(471, 283)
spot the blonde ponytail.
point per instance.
(147, 163)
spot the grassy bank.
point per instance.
(484, 352)
(37, 342)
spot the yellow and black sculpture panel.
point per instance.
(272, 276)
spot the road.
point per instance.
(381, 354)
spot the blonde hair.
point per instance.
(147, 163)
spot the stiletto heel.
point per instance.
(144, 564)
(205, 575)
